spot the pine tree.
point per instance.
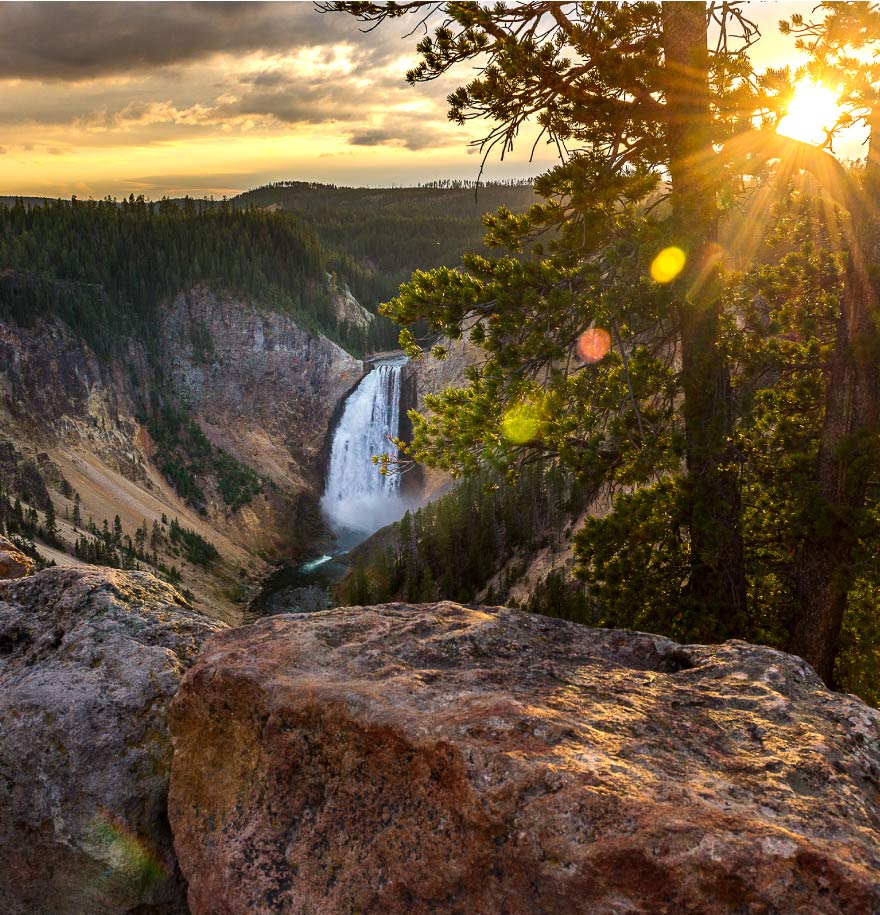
(628, 86)
(843, 46)
(51, 521)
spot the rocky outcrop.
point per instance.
(442, 759)
(89, 659)
(263, 388)
(55, 389)
(13, 563)
(347, 308)
(435, 375)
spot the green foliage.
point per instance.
(106, 268)
(182, 449)
(184, 454)
(452, 548)
(197, 550)
(636, 562)
(237, 483)
(390, 232)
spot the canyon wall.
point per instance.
(259, 387)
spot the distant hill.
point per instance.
(27, 201)
(107, 268)
(276, 243)
(393, 231)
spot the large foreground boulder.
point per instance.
(89, 659)
(441, 759)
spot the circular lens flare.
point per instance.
(593, 345)
(521, 423)
(667, 265)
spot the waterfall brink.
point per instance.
(356, 496)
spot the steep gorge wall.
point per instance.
(260, 387)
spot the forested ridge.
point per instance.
(106, 268)
(390, 232)
(453, 548)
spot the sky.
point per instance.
(214, 98)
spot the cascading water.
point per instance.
(357, 498)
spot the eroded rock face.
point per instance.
(89, 659)
(13, 563)
(439, 759)
(263, 388)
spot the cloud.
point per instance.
(94, 93)
(299, 105)
(81, 41)
(407, 130)
(218, 183)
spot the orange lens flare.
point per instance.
(667, 265)
(593, 345)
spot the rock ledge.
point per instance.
(443, 759)
(89, 659)
(13, 563)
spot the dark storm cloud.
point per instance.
(291, 98)
(76, 41)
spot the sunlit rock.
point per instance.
(13, 563)
(442, 759)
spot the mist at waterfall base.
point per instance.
(358, 500)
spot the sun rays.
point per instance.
(812, 112)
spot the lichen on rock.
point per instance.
(13, 563)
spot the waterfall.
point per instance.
(356, 496)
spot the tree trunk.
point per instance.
(717, 589)
(824, 573)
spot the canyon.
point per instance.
(261, 389)
(180, 418)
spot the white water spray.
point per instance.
(357, 497)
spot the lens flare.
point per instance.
(593, 345)
(128, 858)
(667, 265)
(521, 423)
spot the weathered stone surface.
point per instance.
(89, 659)
(438, 759)
(13, 563)
(262, 387)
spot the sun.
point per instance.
(813, 110)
